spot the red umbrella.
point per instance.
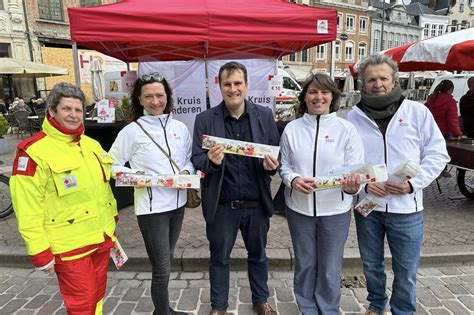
(452, 52)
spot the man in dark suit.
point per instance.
(236, 189)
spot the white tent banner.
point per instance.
(260, 74)
(108, 64)
(187, 80)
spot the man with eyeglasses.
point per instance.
(236, 189)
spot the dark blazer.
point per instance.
(211, 122)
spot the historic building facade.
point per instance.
(14, 43)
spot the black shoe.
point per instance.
(173, 312)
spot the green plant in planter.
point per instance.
(4, 126)
(122, 111)
(3, 131)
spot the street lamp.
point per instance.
(383, 22)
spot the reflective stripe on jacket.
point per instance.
(67, 202)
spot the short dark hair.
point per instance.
(324, 82)
(61, 90)
(470, 83)
(136, 108)
(232, 67)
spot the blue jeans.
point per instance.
(404, 236)
(253, 224)
(319, 246)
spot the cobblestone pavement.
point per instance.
(23, 291)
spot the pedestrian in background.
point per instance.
(394, 130)
(160, 211)
(319, 221)
(445, 112)
(63, 202)
(466, 106)
(236, 191)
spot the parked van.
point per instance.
(291, 88)
(459, 81)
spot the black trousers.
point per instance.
(253, 224)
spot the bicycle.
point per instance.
(6, 207)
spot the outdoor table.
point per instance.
(106, 133)
(462, 156)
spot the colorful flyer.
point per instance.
(367, 205)
(367, 173)
(240, 147)
(118, 255)
(177, 181)
(403, 172)
(106, 111)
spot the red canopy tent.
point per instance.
(145, 30)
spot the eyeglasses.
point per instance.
(155, 76)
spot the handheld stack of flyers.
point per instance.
(118, 255)
(367, 174)
(403, 172)
(240, 147)
(177, 181)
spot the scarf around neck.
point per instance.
(76, 133)
(382, 106)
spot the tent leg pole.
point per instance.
(128, 66)
(75, 58)
(333, 59)
(12, 88)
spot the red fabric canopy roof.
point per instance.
(142, 30)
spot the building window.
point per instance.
(362, 50)
(397, 40)
(453, 25)
(1, 5)
(404, 39)
(390, 40)
(87, 3)
(440, 29)
(321, 52)
(337, 50)
(339, 21)
(363, 25)
(304, 55)
(350, 23)
(383, 43)
(4, 50)
(464, 24)
(376, 41)
(349, 51)
(426, 30)
(292, 57)
(399, 16)
(461, 7)
(50, 10)
(433, 30)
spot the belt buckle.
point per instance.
(235, 204)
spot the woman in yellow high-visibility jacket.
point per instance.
(63, 202)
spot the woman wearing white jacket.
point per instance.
(318, 220)
(159, 211)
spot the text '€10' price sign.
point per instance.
(275, 85)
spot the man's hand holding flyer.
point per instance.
(404, 172)
(240, 147)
